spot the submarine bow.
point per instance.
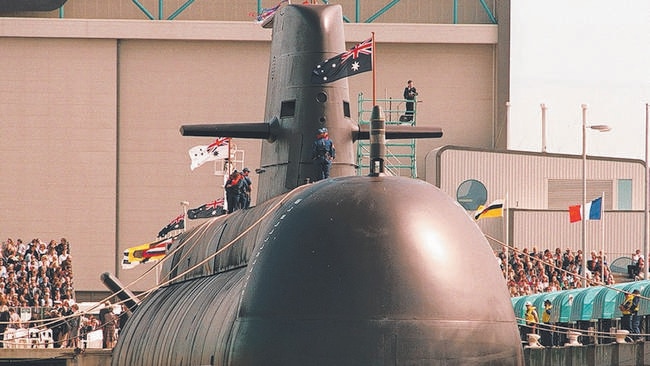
(341, 272)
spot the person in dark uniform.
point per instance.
(245, 195)
(323, 153)
(233, 191)
(409, 94)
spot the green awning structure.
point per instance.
(519, 306)
(585, 304)
(605, 303)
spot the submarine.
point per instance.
(348, 270)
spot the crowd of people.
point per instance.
(38, 276)
(531, 272)
(534, 271)
(69, 326)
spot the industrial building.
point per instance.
(539, 188)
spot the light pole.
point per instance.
(543, 127)
(600, 128)
(646, 217)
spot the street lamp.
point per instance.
(543, 127)
(646, 220)
(600, 128)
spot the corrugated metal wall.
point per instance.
(562, 192)
(524, 177)
(622, 231)
(536, 185)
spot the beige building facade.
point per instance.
(91, 110)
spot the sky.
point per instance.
(565, 53)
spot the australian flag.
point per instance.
(176, 224)
(212, 209)
(357, 60)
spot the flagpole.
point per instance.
(506, 224)
(584, 196)
(184, 205)
(229, 155)
(374, 74)
(602, 233)
(646, 206)
(227, 176)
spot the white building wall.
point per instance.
(619, 233)
(523, 178)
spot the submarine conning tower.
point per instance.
(296, 108)
(304, 36)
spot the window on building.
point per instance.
(624, 194)
(563, 193)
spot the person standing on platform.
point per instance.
(233, 191)
(531, 317)
(636, 319)
(409, 94)
(626, 311)
(323, 153)
(245, 198)
(547, 331)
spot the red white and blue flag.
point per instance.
(203, 153)
(356, 60)
(592, 211)
(267, 12)
(211, 209)
(177, 224)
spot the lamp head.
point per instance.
(600, 128)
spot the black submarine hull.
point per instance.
(347, 271)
